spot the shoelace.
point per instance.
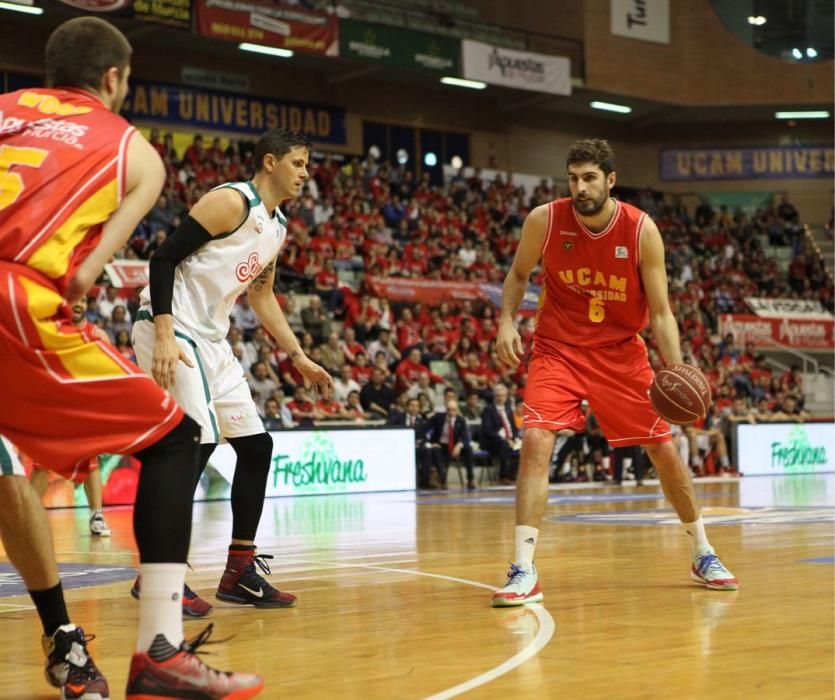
(192, 645)
(87, 670)
(515, 574)
(710, 562)
(261, 561)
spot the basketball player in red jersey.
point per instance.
(604, 280)
(75, 180)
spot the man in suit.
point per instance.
(498, 433)
(450, 436)
(411, 418)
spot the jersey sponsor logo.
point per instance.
(249, 270)
(259, 224)
(11, 124)
(613, 286)
(568, 245)
(621, 252)
(64, 131)
(49, 104)
(568, 233)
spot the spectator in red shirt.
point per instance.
(474, 376)
(329, 408)
(195, 152)
(408, 334)
(410, 369)
(350, 347)
(361, 370)
(302, 409)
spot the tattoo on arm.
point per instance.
(259, 282)
(295, 354)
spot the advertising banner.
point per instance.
(785, 448)
(214, 110)
(174, 13)
(783, 162)
(127, 274)
(788, 308)
(766, 332)
(399, 48)
(516, 69)
(269, 23)
(433, 292)
(311, 462)
(646, 20)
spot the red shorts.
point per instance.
(614, 379)
(67, 396)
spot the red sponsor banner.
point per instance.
(127, 274)
(430, 292)
(811, 334)
(268, 23)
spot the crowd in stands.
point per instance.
(368, 218)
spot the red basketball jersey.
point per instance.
(592, 293)
(62, 171)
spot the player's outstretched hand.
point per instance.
(314, 375)
(167, 353)
(509, 345)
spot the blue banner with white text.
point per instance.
(211, 110)
(782, 162)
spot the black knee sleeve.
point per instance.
(162, 513)
(254, 453)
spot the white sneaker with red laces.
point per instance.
(708, 570)
(522, 587)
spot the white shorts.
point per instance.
(10, 464)
(214, 392)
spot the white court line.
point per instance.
(547, 626)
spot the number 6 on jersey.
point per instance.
(597, 310)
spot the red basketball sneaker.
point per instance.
(242, 584)
(193, 604)
(166, 672)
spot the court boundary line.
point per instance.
(546, 630)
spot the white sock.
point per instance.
(698, 539)
(160, 604)
(525, 544)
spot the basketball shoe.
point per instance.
(193, 604)
(708, 570)
(70, 667)
(98, 526)
(167, 672)
(522, 587)
(242, 584)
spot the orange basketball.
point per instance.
(680, 394)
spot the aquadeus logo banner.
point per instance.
(522, 70)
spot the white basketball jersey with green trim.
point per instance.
(209, 281)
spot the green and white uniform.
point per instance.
(206, 286)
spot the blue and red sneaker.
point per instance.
(167, 672)
(193, 604)
(708, 570)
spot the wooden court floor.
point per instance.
(394, 594)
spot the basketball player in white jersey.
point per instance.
(228, 244)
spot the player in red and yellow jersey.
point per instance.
(604, 280)
(75, 180)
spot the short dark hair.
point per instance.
(279, 142)
(597, 151)
(81, 50)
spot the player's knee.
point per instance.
(183, 440)
(253, 450)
